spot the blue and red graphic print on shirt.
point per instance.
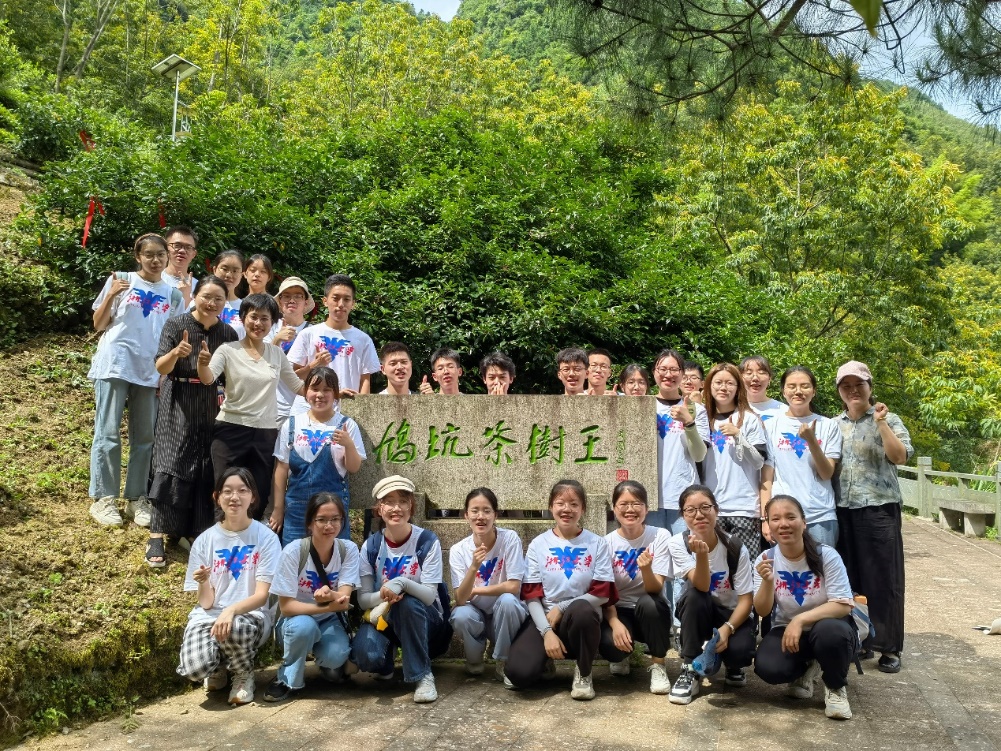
(567, 559)
(719, 440)
(799, 584)
(487, 568)
(667, 424)
(627, 560)
(228, 315)
(316, 439)
(719, 580)
(792, 442)
(399, 566)
(311, 581)
(335, 346)
(147, 301)
(236, 559)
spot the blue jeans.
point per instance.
(411, 625)
(475, 626)
(111, 396)
(301, 634)
(670, 519)
(825, 533)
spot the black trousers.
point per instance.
(579, 629)
(872, 546)
(699, 614)
(831, 642)
(649, 622)
(253, 448)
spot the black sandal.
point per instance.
(155, 549)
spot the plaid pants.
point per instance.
(748, 531)
(201, 654)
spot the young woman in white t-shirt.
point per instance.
(803, 585)
(737, 452)
(131, 311)
(231, 567)
(803, 449)
(714, 596)
(641, 563)
(313, 599)
(756, 373)
(228, 266)
(568, 580)
(487, 569)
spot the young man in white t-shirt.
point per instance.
(182, 247)
(398, 367)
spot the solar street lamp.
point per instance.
(177, 67)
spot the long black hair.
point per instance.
(814, 557)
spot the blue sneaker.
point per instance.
(708, 663)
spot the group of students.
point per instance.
(245, 383)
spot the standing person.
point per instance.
(314, 582)
(182, 247)
(349, 351)
(401, 577)
(228, 266)
(398, 367)
(315, 451)
(181, 491)
(804, 587)
(641, 563)
(258, 273)
(231, 568)
(805, 448)
(693, 380)
(245, 431)
(737, 451)
(294, 303)
(446, 370)
(717, 594)
(131, 310)
(571, 369)
(497, 372)
(568, 580)
(634, 380)
(871, 542)
(599, 370)
(487, 568)
(756, 373)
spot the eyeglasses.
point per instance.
(667, 371)
(601, 367)
(229, 492)
(691, 377)
(630, 504)
(705, 509)
(186, 247)
(395, 504)
(446, 368)
(152, 256)
(332, 521)
(565, 370)
(285, 297)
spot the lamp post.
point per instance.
(180, 69)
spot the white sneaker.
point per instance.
(218, 680)
(836, 703)
(242, 690)
(549, 670)
(802, 687)
(619, 668)
(501, 676)
(582, 688)
(140, 512)
(686, 687)
(426, 691)
(105, 512)
(659, 682)
(474, 668)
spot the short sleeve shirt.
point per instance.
(310, 439)
(625, 554)
(677, 468)
(285, 396)
(504, 562)
(795, 473)
(724, 586)
(352, 355)
(797, 589)
(734, 482)
(393, 561)
(291, 581)
(566, 568)
(250, 384)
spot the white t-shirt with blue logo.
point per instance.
(767, 409)
(230, 314)
(566, 568)
(504, 562)
(291, 581)
(677, 469)
(795, 473)
(723, 586)
(285, 396)
(393, 561)
(797, 589)
(626, 553)
(309, 438)
(735, 484)
(352, 355)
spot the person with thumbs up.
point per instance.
(804, 450)
(181, 491)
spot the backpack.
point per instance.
(304, 544)
(439, 642)
(176, 298)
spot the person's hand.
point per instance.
(621, 637)
(425, 387)
(276, 520)
(614, 391)
(118, 286)
(321, 358)
(324, 595)
(480, 555)
(880, 412)
(682, 411)
(202, 574)
(343, 438)
(724, 639)
(808, 432)
(184, 285)
(223, 625)
(285, 334)
(204, 356)
(347, 393)
(339, 603)
(390, 595)
(696, 397)
(766, 570)
(554, 646)
(645, 558)
(554, 616)
(183, 348)
(495, 389)
(698, 546)
(790, 638)
(729, 429)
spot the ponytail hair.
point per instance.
(814, 557)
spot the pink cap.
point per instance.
(853, 368)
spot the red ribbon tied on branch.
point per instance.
(95, 204)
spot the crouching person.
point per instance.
(231, 567)
(315, 578)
